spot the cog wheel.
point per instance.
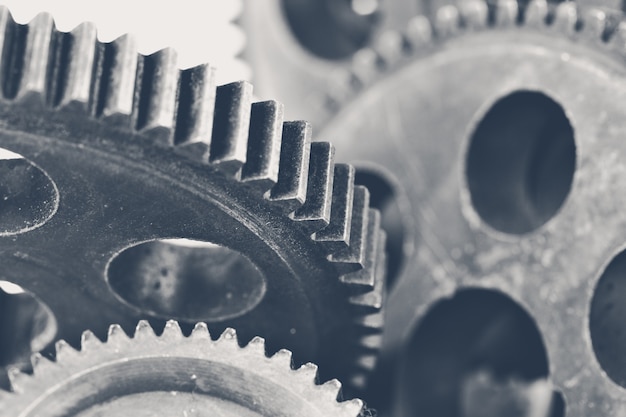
(290, 249)
(502, 126)
(172, 374)
(295, 46)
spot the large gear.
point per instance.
(171, 374)
(538, 218)
(299, 259)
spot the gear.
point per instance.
(503, 127)
(295, 251)
(295, 46)
(172, 375)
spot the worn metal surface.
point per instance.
(171, 374)
(417, 121)
(125, 151)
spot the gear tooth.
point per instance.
(371, 342)
(11, 35)
(366, 277)
(41, 365)
(390, 47)
(200, 331)
(155, 109)
(63, 350)
(506, 12)
(36, 59)
(194, 116)
(231, 123)
(75, 94)
(336, 236)
(315, 212)
(565, 18)
(371, 323)
(447, 21)
(474, 13)
(307, 372)
(536, 13)
(359, 380)
(89, 340)
(330, 392)
(264, 139)
(116, 334)
(17, 379)
(144, 330)
(171, 331)
(352, 407)
(595, 25)
(419, 32)
(117, 86)
(367, 362)
(228, 336)
(257, 346)
(284, 359)
(366, 66)
(290, 190)
(352, 259)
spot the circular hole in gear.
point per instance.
(28, 197)
(332, 29)
(187, 280)
(476, 354)
(521, 162)
(383, 198)
(607, 318)
(26, 326)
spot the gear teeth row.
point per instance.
(199, 345)
(184, 109)
(592, 26)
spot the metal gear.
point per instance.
(172, 374)
(295, 46)
(502, 127)
(295, 252)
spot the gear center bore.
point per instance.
(191, 280)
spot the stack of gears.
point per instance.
(188, 252)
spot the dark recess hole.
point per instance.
(186, 280)
(521, 162)
(26, 326)
(478, 353)
(607, 320)
(332, 29)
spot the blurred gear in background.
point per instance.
(172, 375)
(125, 152)
(492, 131)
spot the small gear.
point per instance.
(172, 374)
(294, 252)
(502, 126)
